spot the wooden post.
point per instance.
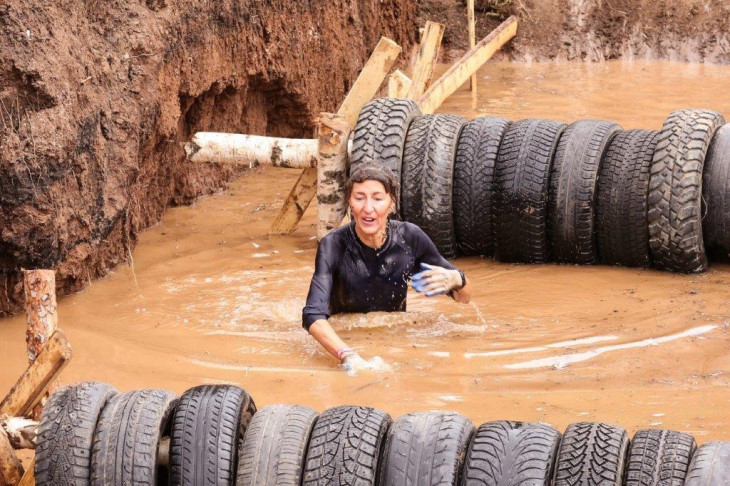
(11, 469)
(334, 133)
(472, 44)
(32, 385)
(41, 317)
(365, 87)
(230, 148)
(426, 59)
(460, 72)
(398, 84)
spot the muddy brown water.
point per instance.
(210, 298)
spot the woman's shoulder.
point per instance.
(407, 229)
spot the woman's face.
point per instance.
(371, 205)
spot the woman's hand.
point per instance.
(436, 280)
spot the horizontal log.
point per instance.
(231, 148)
(29, 389)
(21, 432)
(469, 63)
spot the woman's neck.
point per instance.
(374, 241)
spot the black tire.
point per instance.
(710, 465)
(573, 181)
(659, 457)
(66, 434)
(675, 190)
(508, 453)
(208, 425)
(426, 449)
(623, 186)
(127, 437)
(476, 157)
(521, 190)
(591, 454)
(716, 193)
(429, 159)
(345, 447)
(380, 134)
(274, 446)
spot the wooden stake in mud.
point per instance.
(334, 133)
(472, 44)
(398, 84)
(29, 476)
(460, 72)
(41, 317)
(365, 87)
(426, 60)
(11, 469)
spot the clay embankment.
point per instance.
(98, 97)
(595, 30)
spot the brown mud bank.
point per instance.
(597, 30)
(98, 97)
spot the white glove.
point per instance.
(436, 280)
(352, 363)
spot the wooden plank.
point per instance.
(334, 132)
(296, 203)
(398, 84)
(426, 59)
(460, 72)
(11, 469)
(29, 389)
(365, 87)
(368, 83)
(29, 476)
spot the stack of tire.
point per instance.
(90, 434)
(534, 191)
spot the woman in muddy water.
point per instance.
(365, 266)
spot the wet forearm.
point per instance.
(463, 295)
(326, 336)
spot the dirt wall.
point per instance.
(596, 30)
(97, 99)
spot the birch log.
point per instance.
(334, 132)
(21, 432)
(229, 148)
(41, 318)
(11, 469)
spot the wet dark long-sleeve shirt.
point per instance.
(350, 276)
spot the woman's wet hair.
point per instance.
(370, 172)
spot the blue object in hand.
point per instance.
(419, 284)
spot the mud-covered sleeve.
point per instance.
(424, 250)
(320, 288)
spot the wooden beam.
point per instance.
(398, 84)
(334, 132)
(29, 476)
(296, 203)
(460, 72)
(29, 389)
(233, 148)
(11, 469)
(365, 87)
(426, 59)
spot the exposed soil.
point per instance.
(596, 30)
(97, 99)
